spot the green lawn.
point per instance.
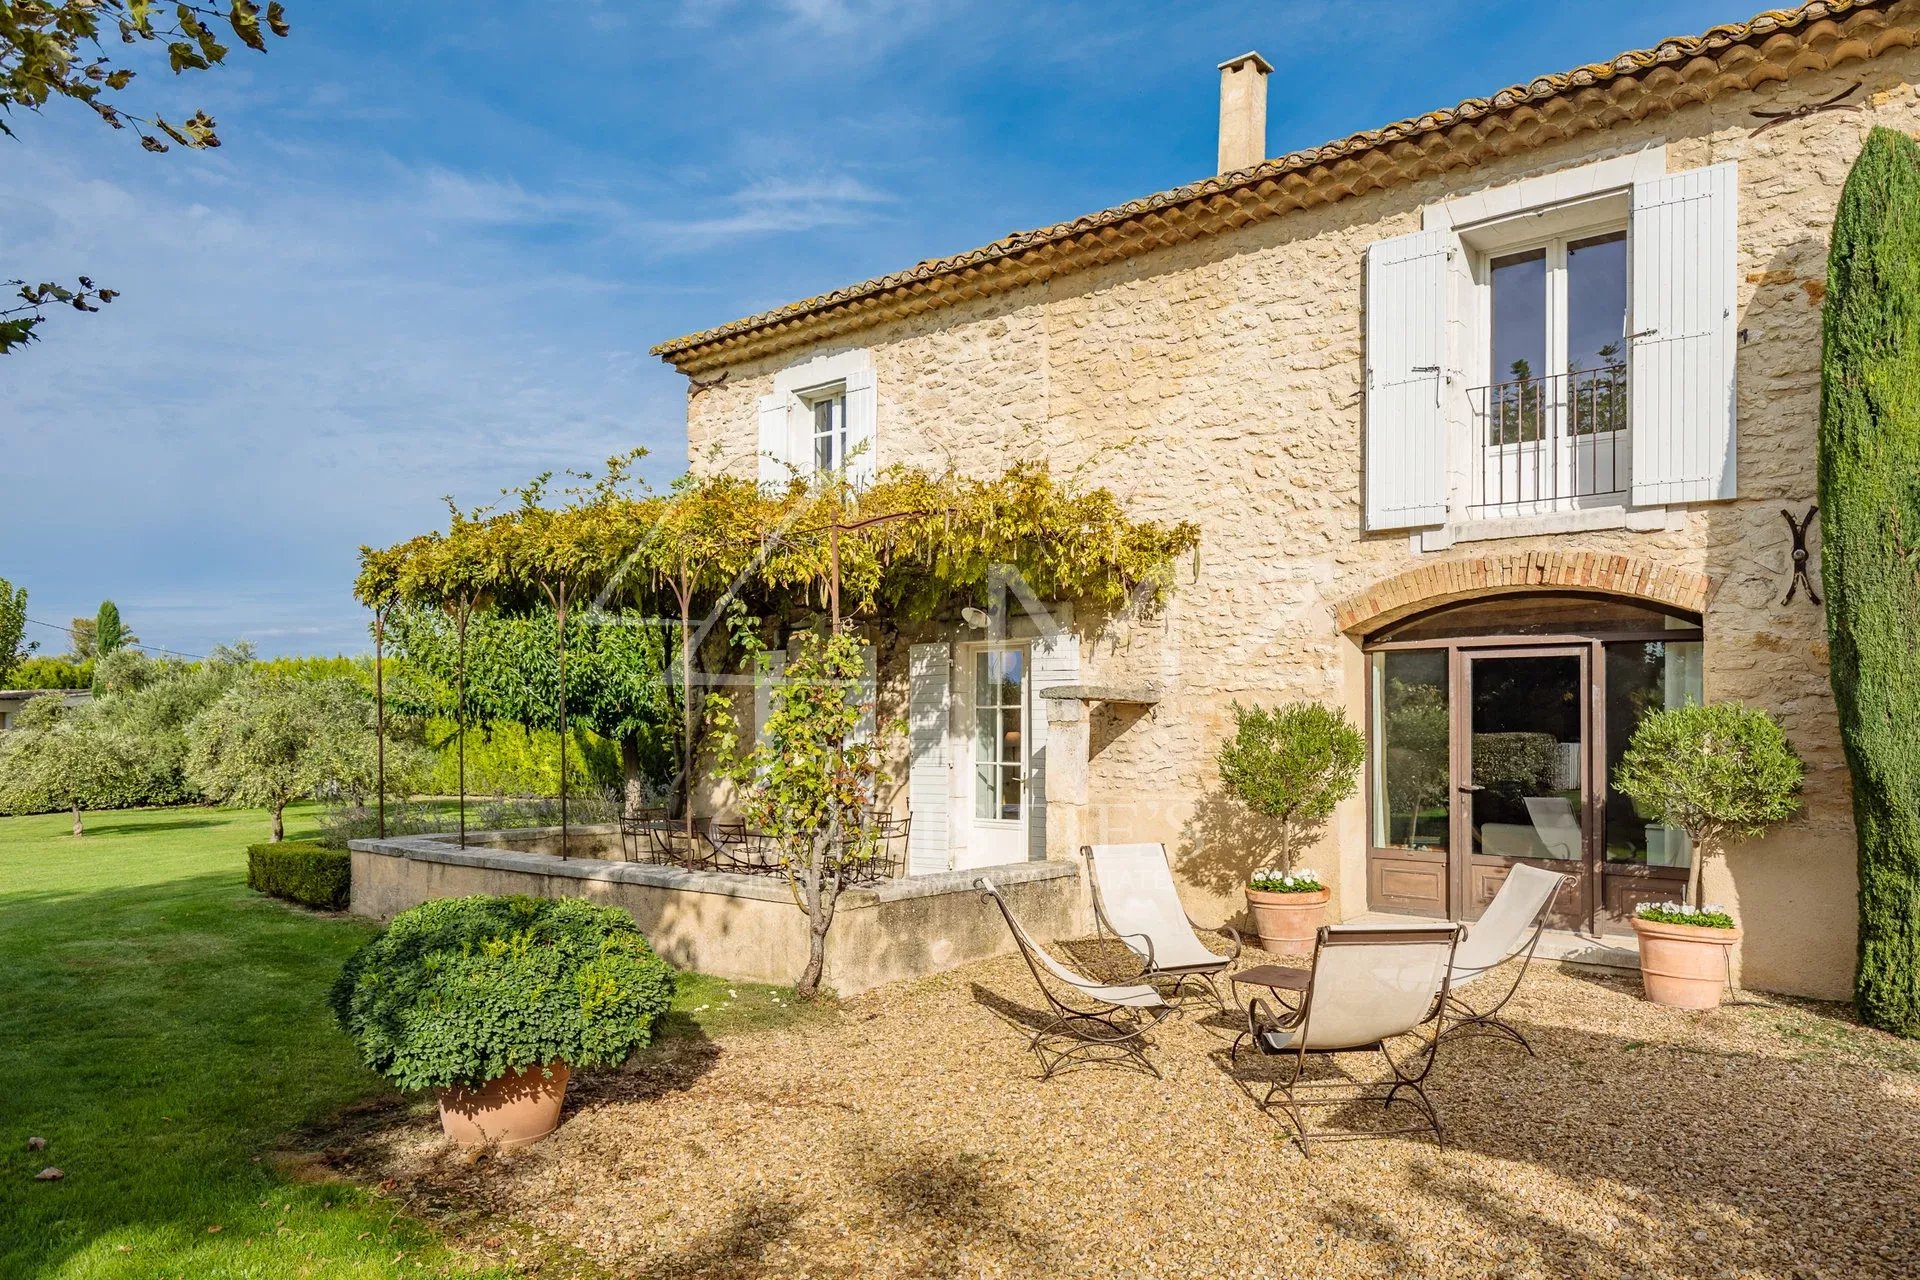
(163, 1028)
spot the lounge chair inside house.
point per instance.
(1089, 1021)
(1134, 900)
(1510, 927)
(1368, 986)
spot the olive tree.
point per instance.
(62, 758)
(268, 742)
(1293, 764)
(1720, 772)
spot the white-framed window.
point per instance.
(820, 418)
(826, 413)
(1547, 362)
(1563, 343)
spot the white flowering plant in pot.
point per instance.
(1274, 880)
(1710, 915)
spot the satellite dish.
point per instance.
(975, 618)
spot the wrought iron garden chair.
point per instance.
(888, 836)
(1510, 927)
(1368, 985)
(727, 848)
(1134, 899)
(1097, 1022)
(634, 832)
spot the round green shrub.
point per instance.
(462, 990)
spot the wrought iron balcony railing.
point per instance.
(1550, 443)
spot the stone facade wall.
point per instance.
(1221, 381)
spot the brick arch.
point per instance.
(1448, 581)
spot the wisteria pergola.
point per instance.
(905, 546)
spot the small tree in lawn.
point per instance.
(1721, 773)
(813, 783)
(61, 758)
(1294, 765)
(268, 742)
(14, 647)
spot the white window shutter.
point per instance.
(1683, 244)
(862, 431)
(1056, 661)
(775, 448)
(929, 777)
(1408, 362)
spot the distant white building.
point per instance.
(13, 700)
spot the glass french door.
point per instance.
(996, 704)
(1494, 729)
(1522, 774)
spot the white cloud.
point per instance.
(769, 206)
(295, 367)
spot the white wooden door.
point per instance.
(995, 695)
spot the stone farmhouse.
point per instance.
(1497, 423)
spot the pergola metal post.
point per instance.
(380, 717)
(460, 725)
(558, 595)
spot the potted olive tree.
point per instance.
(1293, 765)
(1721, 773)
(492, 1001)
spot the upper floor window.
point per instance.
(1562, 343)
(820, 418)
(827, 411)
(1550, 425)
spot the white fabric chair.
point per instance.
(1511, 926)
(1369, 984)
(1555, 825)
(1134, 899)
(1100, 1022)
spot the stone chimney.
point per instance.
(1243, 111)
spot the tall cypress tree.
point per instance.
(109, 633)
(1870, 513)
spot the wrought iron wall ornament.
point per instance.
(1838, 102)
(1801, 556)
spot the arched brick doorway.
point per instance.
(1501, 692)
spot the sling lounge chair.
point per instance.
(1368, 985)
(1511, 926)
(1135, 901)
(1090, 1021)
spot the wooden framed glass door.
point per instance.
(1522, 774)
(1494, 727)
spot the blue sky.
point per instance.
(435, 248)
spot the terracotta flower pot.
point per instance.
(520, 1107)
(1287, 922)
(1684, 966)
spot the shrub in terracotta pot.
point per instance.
(1721, 773)
(491, 1002)
(1293, 765)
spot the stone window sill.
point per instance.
(1638, 519)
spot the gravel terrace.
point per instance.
(908, 1135)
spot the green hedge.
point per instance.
(301, 871)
